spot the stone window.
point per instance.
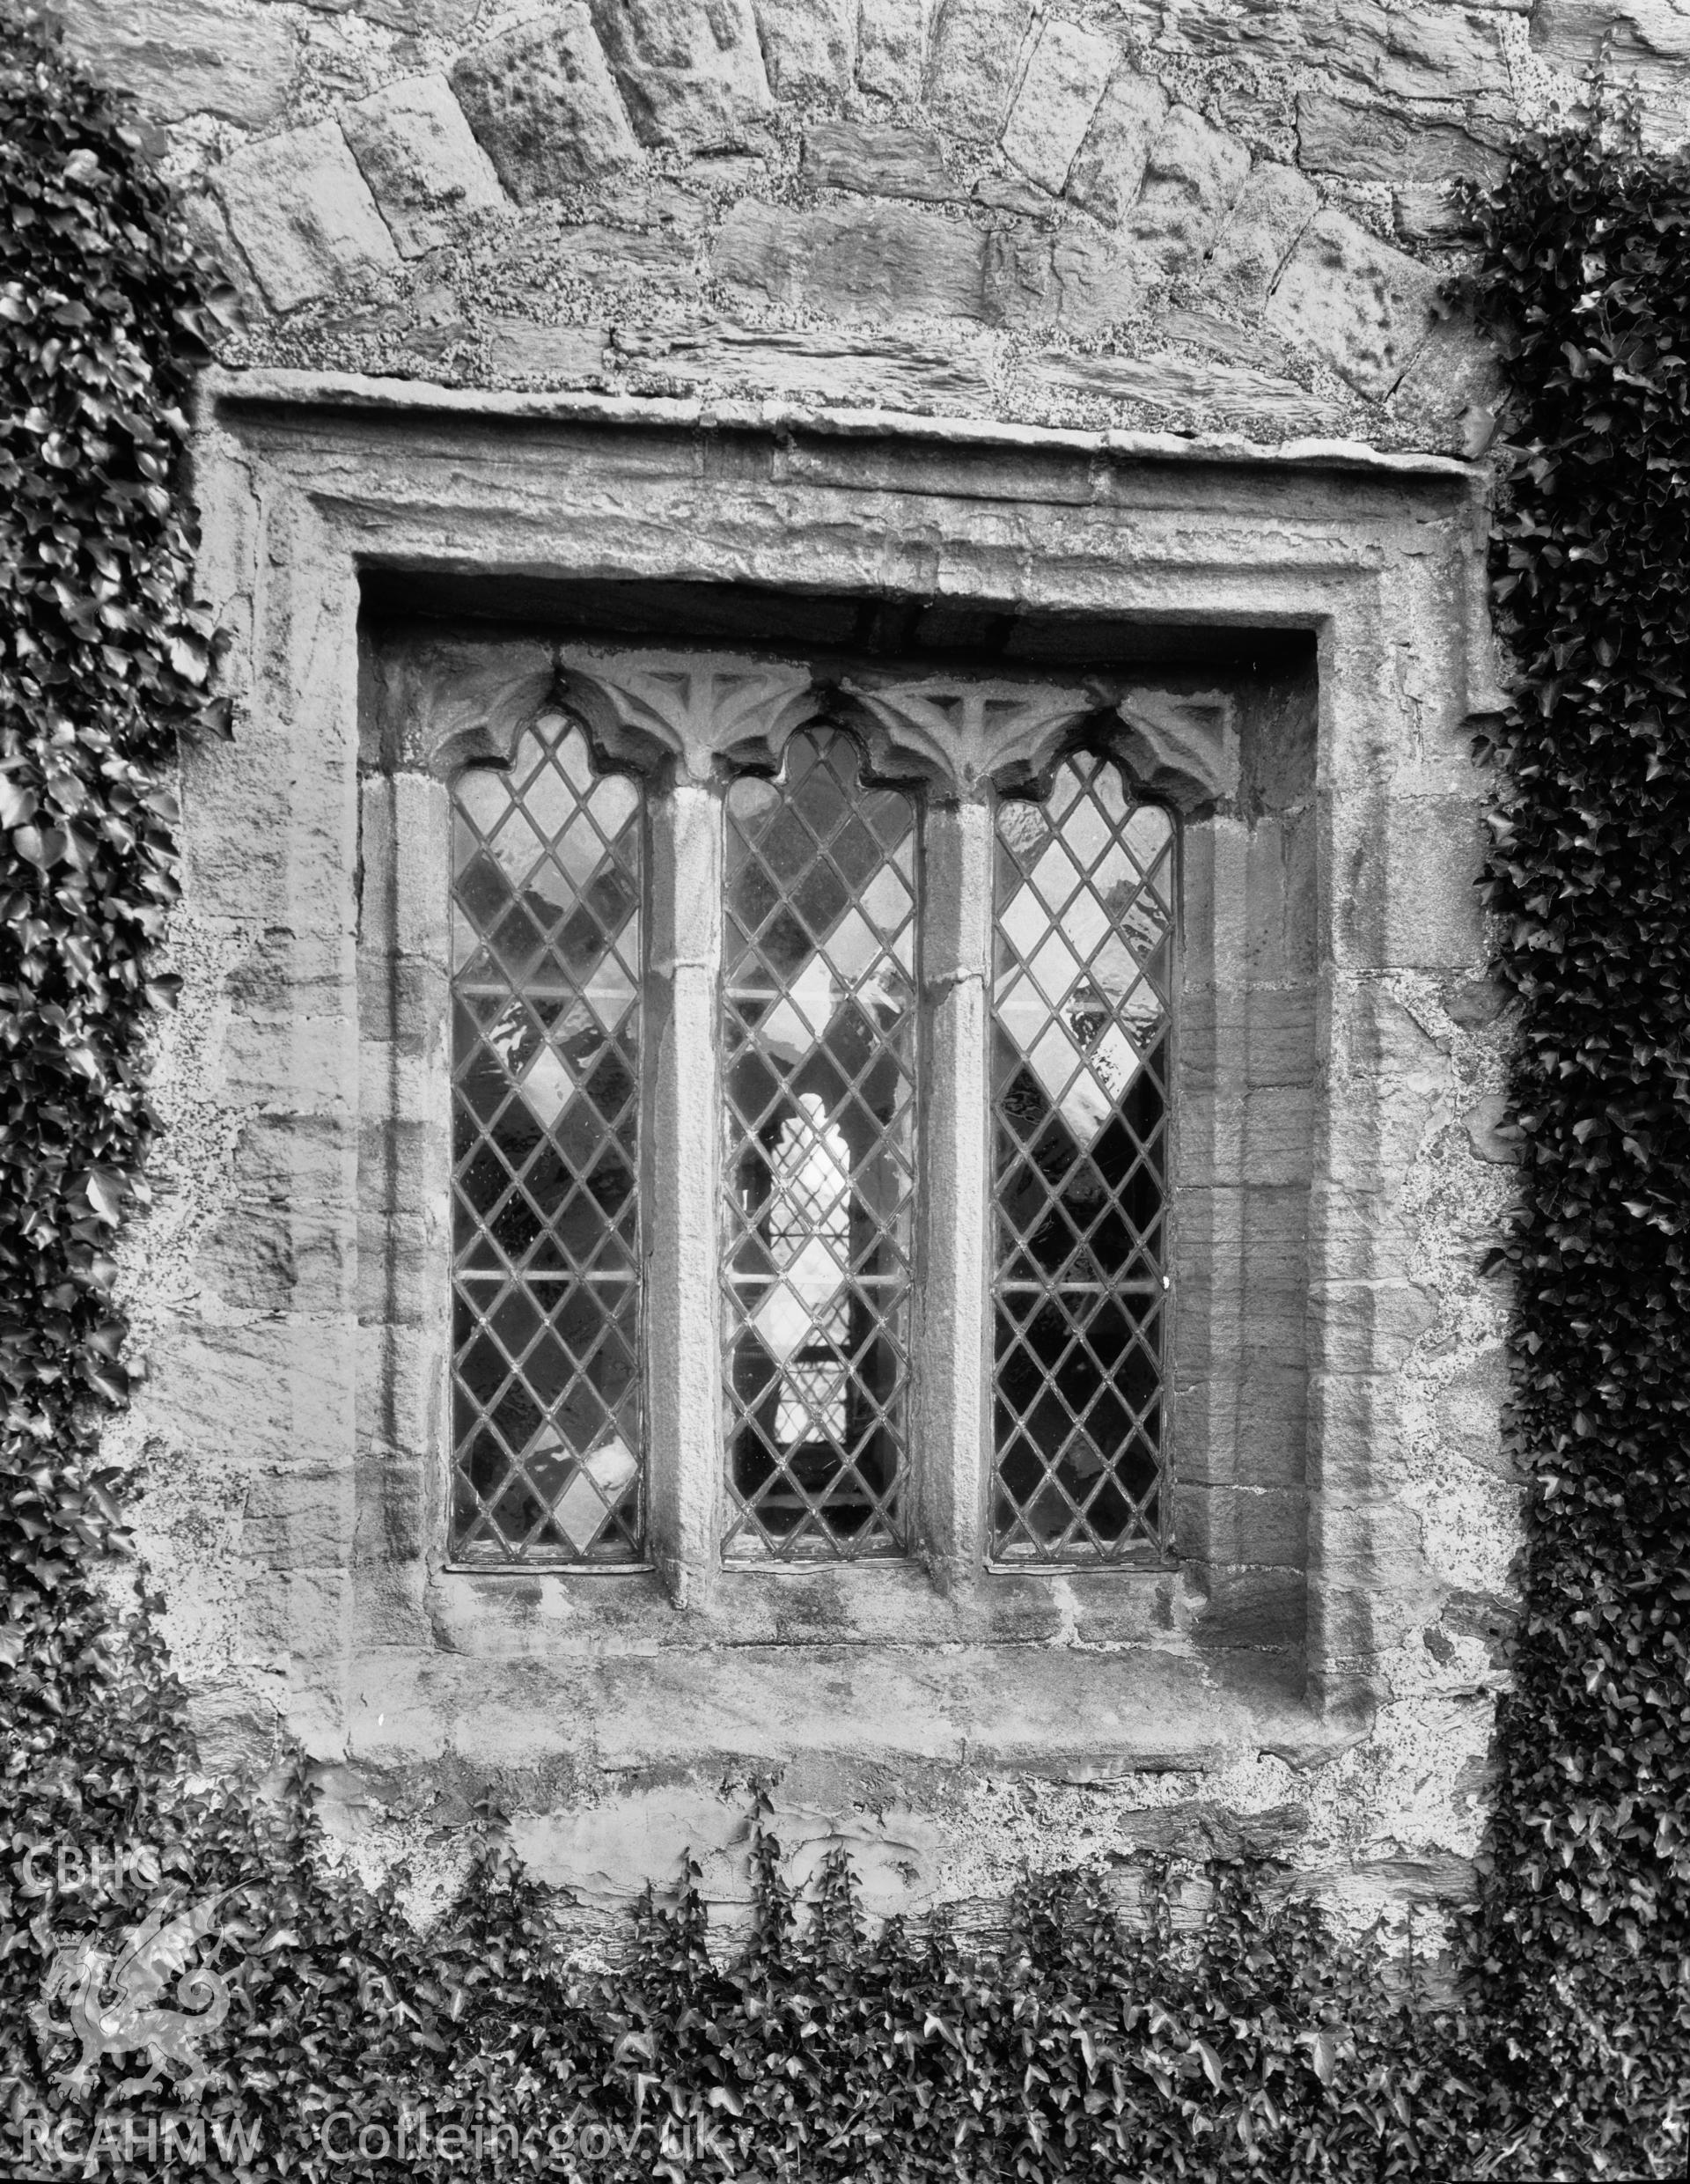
(1250, 677)
(862, 1162)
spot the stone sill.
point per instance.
(483, 1612)
(1069, 1715)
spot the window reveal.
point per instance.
(545, 932)
(1083, 965)
(819, 1046)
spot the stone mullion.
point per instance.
(683, 1184)
(952, 1409)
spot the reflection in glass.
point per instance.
(819, 1036)
(545, 1026)
(1081, 1003)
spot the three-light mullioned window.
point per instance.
(821, 1039)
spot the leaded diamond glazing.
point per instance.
(819, 1036)
(1082, 1010)
(546, 859)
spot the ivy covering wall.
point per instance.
(1586, 1923)
(1252, 2041)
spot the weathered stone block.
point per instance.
(1454, 388)
(209, 225)
(885, 372)
(446, 16)
(878, 158)
(303, 215)
(1059, 95)
(1244, 1418)
(691, 70)
(1368, 1326)
(1261, 1035)
(1193, 172)
(1347, 297)
(1644, 42)
(1172, 382)
(1468, 1409)
(400, 1255)
(1270, 212)
(1257, 1608)
(306, 1058)
(891, 263)
(517, 348)
(1260, 1526)
(891, 46)
(1079, 282)
(1443, 52)
(1425, 212)
(1319, 30)
(1417, 902)
(605, 257)
(1366, 141)
(973, 62)
(296, 1517)
(421, 160)
(282, 1244)
(542, 103)
(1492, 1133)
(1110, 164)
(269, 1391)
(809, 46)
(186, 56)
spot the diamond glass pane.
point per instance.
(819, 1036)
(546, 1030)
(1082, 1011)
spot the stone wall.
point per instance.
(1230, 215)
(1128, 307)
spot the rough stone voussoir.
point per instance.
(1270, 212)
(1109, 166)
(186, 56)
(1453, 390)
(973, 62)
(304, 214)
(421, 161)
(691, 70)
(1065, 80)
(891, 46)
(1193, 173)
(542, 102)
(1345, 296)
(809, 46)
